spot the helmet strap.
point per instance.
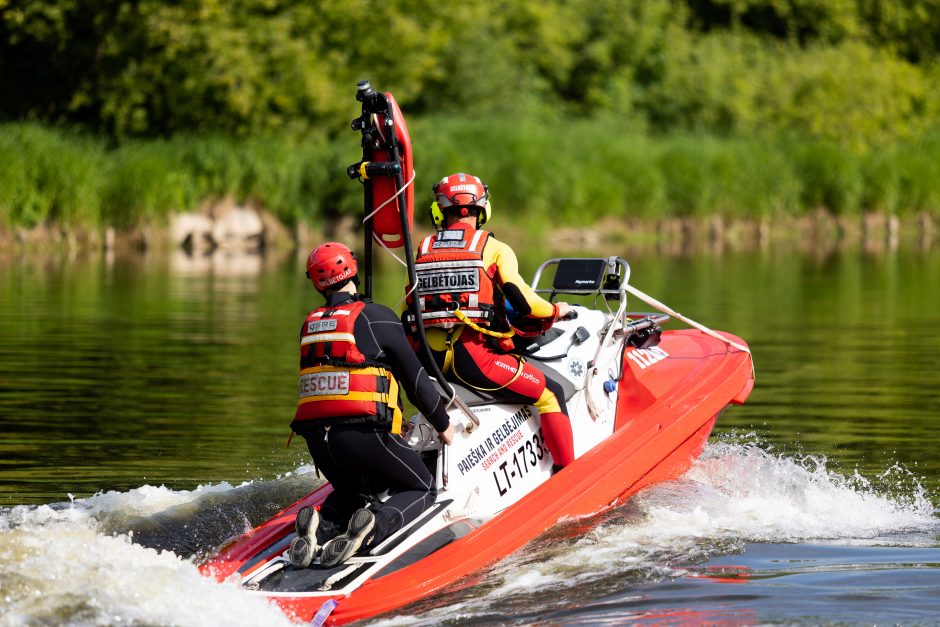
(462, 211)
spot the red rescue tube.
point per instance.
(386, 222)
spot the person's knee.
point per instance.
(547, 401)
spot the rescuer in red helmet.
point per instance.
(465, 277)
(354, 356)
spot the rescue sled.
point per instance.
(642, 404)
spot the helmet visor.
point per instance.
(461, 199)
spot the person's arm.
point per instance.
(522, 297)
(412, 376)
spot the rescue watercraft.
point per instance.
(642, 403)
(641, 412)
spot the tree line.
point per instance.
(859, 72)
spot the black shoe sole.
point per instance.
(341, 548)
(304, 547)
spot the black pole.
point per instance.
(374, 102)
(367, 234)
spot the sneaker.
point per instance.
(344, 546)
(304, 547)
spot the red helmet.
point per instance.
(331, 265)
(460, 190)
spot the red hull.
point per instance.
(665, 412)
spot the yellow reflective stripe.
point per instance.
(332, 312)
(328, 337)
(389, 398)
(377, 397)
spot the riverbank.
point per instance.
(605, 175)
(229, 229)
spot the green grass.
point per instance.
(48, 177)
(540, 171)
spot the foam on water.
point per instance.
(57, 565)
(737, 492)
(62, 563)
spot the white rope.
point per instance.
(408, 293)
(649, 300)
(379, 208)
(391, 198)
(389, 251)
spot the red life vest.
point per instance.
(342, 382)
(451, 277)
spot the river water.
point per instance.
(144, 405)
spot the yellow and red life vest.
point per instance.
(342, 382)
(453, 285)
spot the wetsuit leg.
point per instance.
(409, 482)
(476, 364)
(357, 459)
(556, 426)
(350, 486)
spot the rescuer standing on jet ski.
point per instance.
(353, 357)
(465, 276)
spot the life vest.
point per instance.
(341, 382)
(453, 285)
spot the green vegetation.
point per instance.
(117, 112)
(575, 171)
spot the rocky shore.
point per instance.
(231, 229)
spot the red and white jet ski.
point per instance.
(639, 416)
(642, 403)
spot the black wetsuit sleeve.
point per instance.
(404, 363)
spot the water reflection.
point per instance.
(180, 369)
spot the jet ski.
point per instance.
(642, 403)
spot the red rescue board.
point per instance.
(386, 223)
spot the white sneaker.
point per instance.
(304, 547)
(344, 546)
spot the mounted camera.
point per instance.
(372, 101)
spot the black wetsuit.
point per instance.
(362, 459)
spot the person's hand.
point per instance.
(564, 310)
(447, 435)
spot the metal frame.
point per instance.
(376, 136)
(615, 265)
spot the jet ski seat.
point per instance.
(473, 397)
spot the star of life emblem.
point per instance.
(576, 368)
